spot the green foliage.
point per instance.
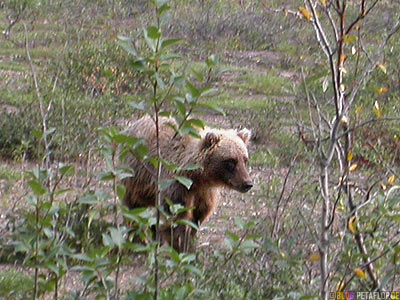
(73, 116)
(15, 285)
(99, 69)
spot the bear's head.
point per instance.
(227, 157)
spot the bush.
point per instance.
(99, 69)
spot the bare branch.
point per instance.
(371, 66)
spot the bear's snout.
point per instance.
(246, 186)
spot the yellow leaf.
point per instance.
(352, 225)
(304, 11)
(345, 121)
(342, 59)
(342, 88)
(392, 179)
(349, 39)
(360, 273)
(314, 257)
(382, 90)
(377, 110)
(340, 286)
(353, 167)
(350, 156)
(382, 67)
(359, 110)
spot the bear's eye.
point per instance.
(230, 165)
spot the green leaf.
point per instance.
(181, 293)
(107, 240)
(138, 65)
(194, 123)
(212, 107)
(20, 247)
(187, 182)
(194, 92)
(170, 42)
(82, 256)
(121, 191)
(153, 32)
(187, 223)
(63, 191)
(165, 184)
(170, 166)
(165, 7)
(37, 188)
(233, 236)
(170, 57)
(127, 46)
(395, 217)
(106, 176)
(174, 255)
(139, 105)
(240, 223)
(160, 81)
(124, 38)
(212, 61)
(117, 236)
(198, 75)
(126, 139)
(68, 170)
(121, 174)
(181, 107)
(189, 167)
(230, 244)
(208, 91)
(37, 134)
(49, 131)
(188, 258)
(189, 98)
(88, 199)
(32, 199)
(160, 3)
(189, 130)
(141, 151)
(269, 245)
(192, 269)
(52, 267)
(249, 244)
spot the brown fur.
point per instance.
(214, 153)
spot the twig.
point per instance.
(43, 113)
(280, 198)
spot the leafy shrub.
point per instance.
(15, 285)
(100, 69)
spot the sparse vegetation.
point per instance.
(63, 232)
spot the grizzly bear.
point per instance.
(221, 157)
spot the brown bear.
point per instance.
(222, 158)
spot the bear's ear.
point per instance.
(211, 139)
(245, 135)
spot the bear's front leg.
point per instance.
(180, 238)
